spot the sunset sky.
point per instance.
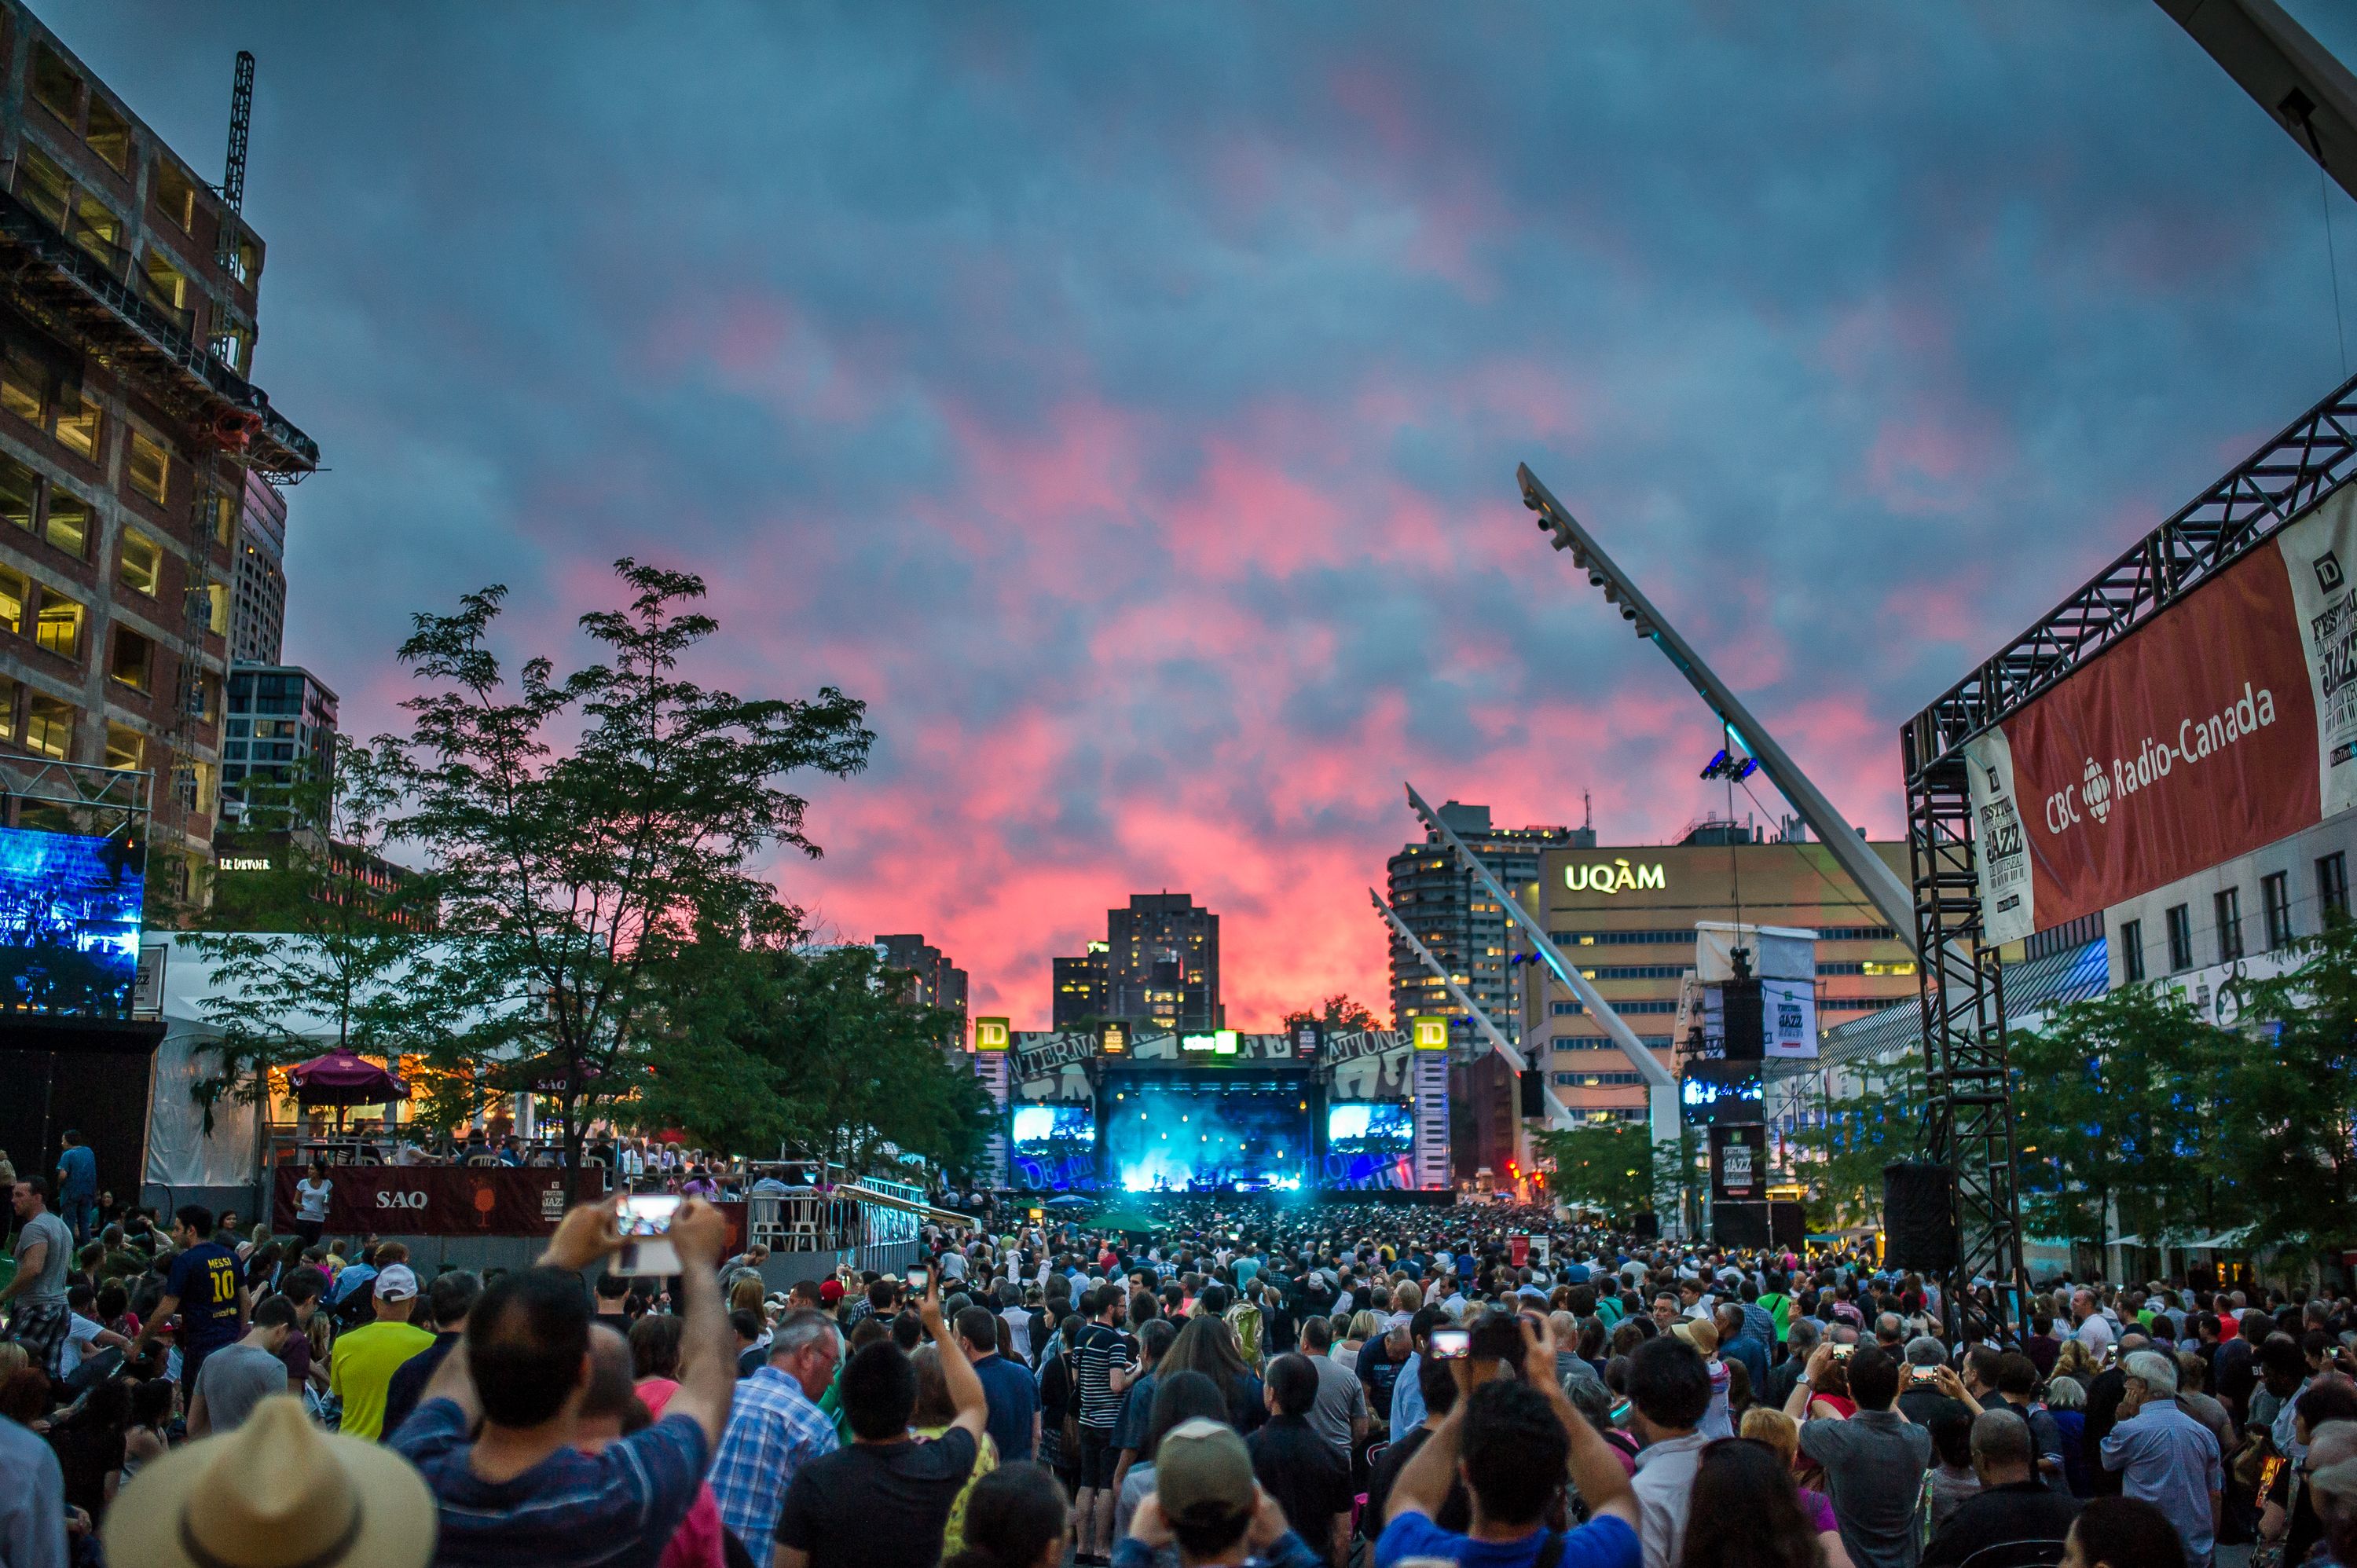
(1125, 400)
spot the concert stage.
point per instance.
(1222, 1113)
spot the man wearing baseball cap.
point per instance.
(1206, 1501)
(367, 1356)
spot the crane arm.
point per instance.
(2287, 73)
(1557, 1115)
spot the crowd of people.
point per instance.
(1332, 1383)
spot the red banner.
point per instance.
(2192, 742)
(435, 1200)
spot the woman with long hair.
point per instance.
(2075, 1362)
(1206, 1345)
(1745, 1512)
(1016, 1517)
(933, 1415)
(1782, 1433)
(1179, 1398)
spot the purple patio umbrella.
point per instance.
(342, 1079)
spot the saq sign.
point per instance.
(2225, 724)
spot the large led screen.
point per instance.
(1370, 1145)
(1202, 1140)
(69, 922)
(1055, 1147)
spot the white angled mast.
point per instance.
(1557, 1115)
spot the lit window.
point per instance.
(58, 627)
(56, 85)
(224, 518)
(143, 562)
(175, 193)
(48, 727)
(109, 134)
(16, 592)
(42, 186)
(134, 660)
(98, 232)
(22, 384)
(20, 491)
(66, 524)
(78, 424)
(8, 688)
(151, 467)
(217, 616)
(125, 748)
(167, 288)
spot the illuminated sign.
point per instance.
(1613, 876)
(1431, 1034)
(1114, 1039)
(1221, 1042)
(243, 863)
(1224, 1042)
(991, 1034)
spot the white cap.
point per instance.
(395, 1282)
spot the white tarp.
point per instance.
(180, 1153)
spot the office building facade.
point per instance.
(1158, 967)
(128, 433)
(1456, 920)
(1626, 916)
(934, 980)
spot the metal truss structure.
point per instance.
(1968, 1123)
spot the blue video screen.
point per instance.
(69, 922)
(1370, 1145)
(1055, 1147)
(1207, 1139)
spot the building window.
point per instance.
(22, 385)
(2275, 898)
(2332, 883)
(2230, 924)
(66, 524)
(78, 424)
(48, 727)
(143, 562)
(56, 86)
(58, 627)
(109, 134)
(42, 186)
(16, 592)
(98, 232)
(132, 661)
(20, 492)
(124, 749)
(2131, 951)
(9, 686)
(151, 467)
(175, 193)
(2179, 918)
(167, 289)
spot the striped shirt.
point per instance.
(774, 1429)
(1099, 1350)
(618, 1507)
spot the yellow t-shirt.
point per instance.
(985, 1460)
(364, 1360)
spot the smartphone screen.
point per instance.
(644, 1221)
(917, 1281)
(1843, 1352)
(1450, 1344)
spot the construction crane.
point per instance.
(240, 126)
(1661, 1088)
(1883, 888)
(1557, 1116)
(2286, 71)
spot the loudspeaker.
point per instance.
(1747, 1036)
(1788, 1227)
(1740, 1224)
(1645, 1226)
(1919, 1217)
(1534, 1091)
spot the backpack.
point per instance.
(1244, 1318)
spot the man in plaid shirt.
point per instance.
(776, 1428)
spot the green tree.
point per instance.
(1339, 1013)
(312, 947)
(1607, 1166)
(2288, 1115)
(576, 887)
(1874, 1123)
(2115, 1114)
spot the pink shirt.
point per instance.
(696, 1542)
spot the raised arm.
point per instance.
(707, 1362)
(965, 1386)
(1796, 1403)
(1594, 1470)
